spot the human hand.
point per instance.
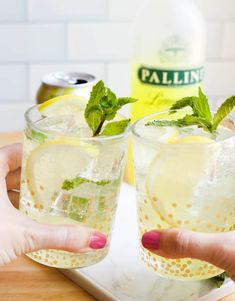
(218, 249)
(19, 234)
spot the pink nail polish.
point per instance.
(151, 240)
(97, 241)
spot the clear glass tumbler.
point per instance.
(69, 177)
(185, 179)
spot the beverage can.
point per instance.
(63, 83)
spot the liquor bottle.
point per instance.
(168, 54)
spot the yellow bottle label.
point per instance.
(157, 89)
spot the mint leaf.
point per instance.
(200, 117)
(182, 103)
(97, 93)
(122, 101)
(176, 123)
(103, 106)
(95, 119)
(34, 135)
(115, 128)
(76, 182)
(199, 121)
(188, 120)
(93, 111)
(225, 109)
(201, 107)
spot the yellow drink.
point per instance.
(184, 180)
(70, 177)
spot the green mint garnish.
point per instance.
(103, 106)
(101, 204)
(115, 128)
(34, 135)
(76, 182)
(201, 114)
(77, 208)
(220, 279)
(223, 111)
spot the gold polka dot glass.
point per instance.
(70, 177)
(185, 179)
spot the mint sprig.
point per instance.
(76, 182)
(201, 114)
(103, 106)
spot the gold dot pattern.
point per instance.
(183, 269)
(61, 259)
(190, 269)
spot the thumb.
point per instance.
(72, 238)
(218, 249)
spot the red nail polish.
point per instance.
(97, 241)
(151, 240)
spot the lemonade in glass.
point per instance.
(185, 179)
(69, 175)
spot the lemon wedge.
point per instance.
(193, 139)
(173, 175)
(51, 163)
(63, 105)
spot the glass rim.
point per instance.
(154, 144)
(32, 124)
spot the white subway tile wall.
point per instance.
(13, 79)
(12, 10)
(41, 36)
(67, 10)
(99, 41)
(30, 42)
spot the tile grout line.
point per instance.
(223, 24)
(66, 61)
(26, 11)
(108, 12)
(106, 72)
(28, 81)
(66, 41)
(57, 21)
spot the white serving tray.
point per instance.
(121, 276)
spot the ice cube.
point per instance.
(66, 124)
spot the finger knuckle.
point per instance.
(67, 234)
(182, 243)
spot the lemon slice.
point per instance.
(63, 105)
(194, 139)
(51, 163)
(172, 177)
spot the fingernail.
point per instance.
(151, 240)
(97, 241)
